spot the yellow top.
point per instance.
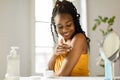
(80, 69)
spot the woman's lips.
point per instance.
(66, 35)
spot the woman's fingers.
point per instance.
(64, 46)
(63, 49)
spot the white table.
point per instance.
(61, 78)
(64, 78)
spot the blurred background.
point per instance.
(26, 24)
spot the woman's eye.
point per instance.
(59, 27)
(68, 25)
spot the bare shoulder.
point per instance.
(79, 42)
(79, 37)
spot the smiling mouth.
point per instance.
(66, 35)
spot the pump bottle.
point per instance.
(13, 63)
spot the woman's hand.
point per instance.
(62, 49)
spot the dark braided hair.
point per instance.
(66, 7)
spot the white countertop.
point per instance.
(61, 78)
(58, 78)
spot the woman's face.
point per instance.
(64, 25)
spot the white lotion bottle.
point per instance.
(13, 64)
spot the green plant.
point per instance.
(105, 20)
(105, 30)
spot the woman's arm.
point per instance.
(79, 46)
(51, 62)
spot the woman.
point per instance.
(70, 56)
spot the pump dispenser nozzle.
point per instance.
(13, 51)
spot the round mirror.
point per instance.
(111, 46)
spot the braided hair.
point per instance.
(65, 6)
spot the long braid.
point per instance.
(52, 33)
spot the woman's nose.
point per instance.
(65, 29)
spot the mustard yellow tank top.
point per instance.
(80, 69)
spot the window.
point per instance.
(43, 38)
(43, 41)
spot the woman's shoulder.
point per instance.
(79, 36)
(79, 41)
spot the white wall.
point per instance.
(103, 8)
(15, 31)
